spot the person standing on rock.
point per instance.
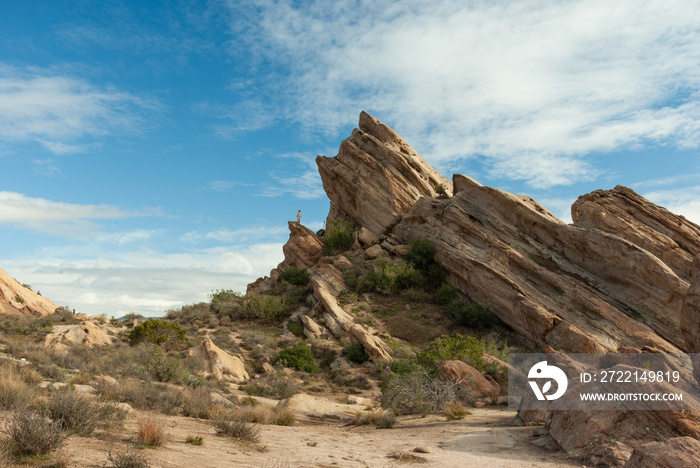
(299, 216)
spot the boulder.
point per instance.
(366, 238)
(221, 364)
(86, 333)
(15, 299)
(472, 384)
(375, 251)
(304, 247)
(376, 177)
(678, 452)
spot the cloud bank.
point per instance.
(525, 87)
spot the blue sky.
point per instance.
(152, 152)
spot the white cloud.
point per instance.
(684, 201)
(527, 86)
(62, 112)
(68, 219)
(144, 281)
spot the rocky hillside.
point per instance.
(16, 299)
(617, 280)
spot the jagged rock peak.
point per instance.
(621, 211)
(16, 299)
(376, 177)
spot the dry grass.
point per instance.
(14, 392)
(151, 431)
(130, 459)
(284, 417)
(30, 433)
(261, 414)
(406, 457)
(454, 411)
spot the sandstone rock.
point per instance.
(473, 384)
(622, 212)
(611, 455)
(366, 238)
(356, 400)
(105, 380)
(678, 452)
(327, 282)
(311, 328)
(313, 407)
(267, 368)
(576, 289)
(15, 299)
(690, 317)
(86, 333)
(221, 364)
(341, 363)
(375, 251)
(376, 177)
(304, 247)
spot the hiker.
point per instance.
(299, 216)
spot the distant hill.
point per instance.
(16, 299)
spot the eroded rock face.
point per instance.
(622, 212)
(15, 299)
(376, 177)
(222, 365)
(679, 452)
(304, 247)
(690, 317)
(575, 289)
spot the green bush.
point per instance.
(389, 277)
(297, 357)
(444, 295)
(296, 328)
(273, 384)
(338, 237)
(166, 334)
(263, 307)
(294, 275)
(195, 315)
(441, 191)
(472, 316)
(458, 347)
(161, 367)
(225, 302)
(356, 353)
(422, 257)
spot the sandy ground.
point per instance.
(484, 439)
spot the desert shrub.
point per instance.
(416, 393)
(166, 334)
(251, 339)
(294, 275)
(128, 459)
(297, 357)
(14, 392)
(145, 396)
(421, 256)
(150, 431)
(352, 382)
(441, 191)
(356, 353)
(403, 366)
(444, 295)
(297, 329)
(273, 384)
(225, 302)
(455, 411)
(467, 349)
(161, 367)
(31, 433)
(51, 372)
(196, 402)
(232, 427)
(194, 315)
(472, 316)
(387, 420)
(260, 414)
(222, 339)
(73, 412)
(263, 307)
(194, 440)
(283, 417)
(389, 277)
(338, 237)
(64, 315)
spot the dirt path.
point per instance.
(485, 439)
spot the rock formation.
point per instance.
(222, 365)
(690, 317)
(15, 299)
(90, 332)
(376, 177)
(622, 212)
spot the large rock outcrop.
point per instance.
(622, 212)
(15, 299)
(575, 289)
(88, 333)
(690, 317)
(376, 177)
(221, 364)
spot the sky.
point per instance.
(152, 152)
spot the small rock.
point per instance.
(375, 251)
(421, 450)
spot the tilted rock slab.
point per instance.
(31, 303)
(221, 364)
(576, 289)
(622, 212)
(678, 452)
(690, 317)
(376, 177)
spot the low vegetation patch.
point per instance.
(299, 357)
(294, 275)
(166, 334)
(128, 459)
(338, 237)
(30, 433)
(150, 431)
